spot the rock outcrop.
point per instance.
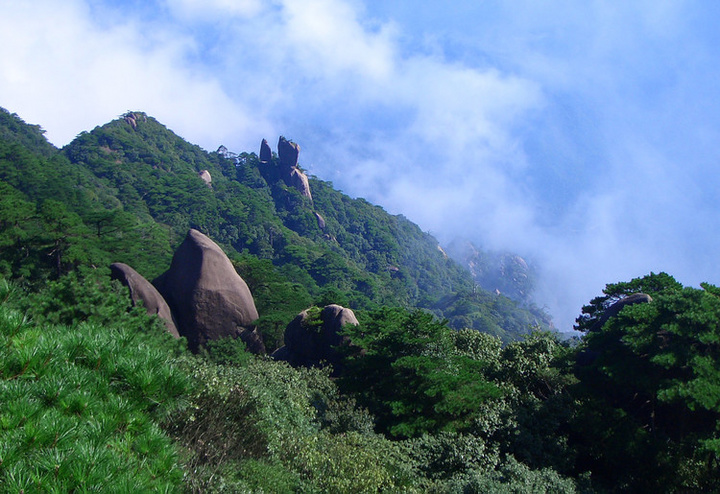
(311, 338)
(205, 176)
(265, 152)
(208, 299)
(614, 309)
(142, 292)
(320, 221)
(288, 152)
(297, 179)
(132, 118)
(291, 174)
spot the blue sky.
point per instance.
(581, 135)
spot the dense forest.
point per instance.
(445, 387)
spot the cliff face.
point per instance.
(499, 272)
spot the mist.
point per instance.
(581, 137)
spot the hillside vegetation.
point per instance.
(130, 190)
(442, 386)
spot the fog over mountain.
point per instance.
(582, 137)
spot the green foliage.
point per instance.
(652, 393)
(226, 351)
(217, 430)
(87, 296)
(13, 129)
(80, 407)
(277, 298)
(493, 314)
(447, 455)
(651, 284)
(513, 477)
(268, 427)
(407, 373)
(537, 374)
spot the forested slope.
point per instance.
(96, 395)
(129, 191)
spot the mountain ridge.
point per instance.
(134, 171)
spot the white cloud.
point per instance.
(329, 40)
(71, 75)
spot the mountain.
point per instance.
(97, 395)
(129, 191)
(500, 272)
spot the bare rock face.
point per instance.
(299, 180)
(614, 309)
(208, 298)
(311, 338)
(265, 152)
(133, 118)
(291, 174)
(320, 221)
(141, 291)
(288, 152)
(205, 176)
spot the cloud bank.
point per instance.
(580, 136)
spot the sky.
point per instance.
(583, 136)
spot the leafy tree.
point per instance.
(614, 292)
(408, 374)
(650, 418)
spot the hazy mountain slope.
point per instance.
(133, 188)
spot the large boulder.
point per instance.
(208, 298)
(312, 337)
(143, 293)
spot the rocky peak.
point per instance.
(292, 175)
(132, 118)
